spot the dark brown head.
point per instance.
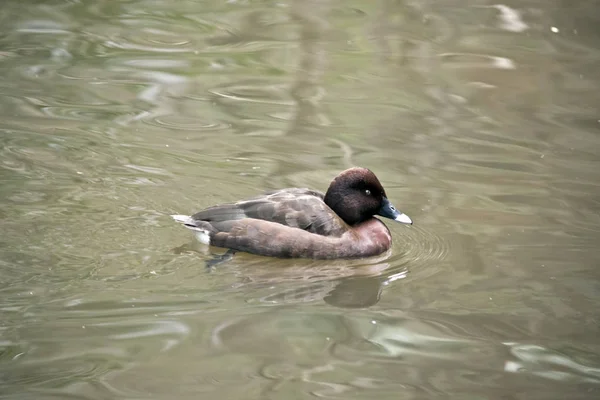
(356, 195)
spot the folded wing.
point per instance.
(297, 208)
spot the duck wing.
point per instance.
(296, 208)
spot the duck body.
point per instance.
(303, 223)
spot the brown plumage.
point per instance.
(302, 222)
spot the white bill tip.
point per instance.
(405, 219)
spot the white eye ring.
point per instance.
(367, 192)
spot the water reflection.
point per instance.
(341, 283)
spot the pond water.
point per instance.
(482, 120)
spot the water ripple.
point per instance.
(188, 124)
(537, 360)
(420, 246)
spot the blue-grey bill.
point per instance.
(389, 211)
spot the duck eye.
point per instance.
(367, 192)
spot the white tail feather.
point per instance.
(202, 235)
(184, 219)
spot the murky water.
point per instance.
(481, 119)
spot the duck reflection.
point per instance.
(340, 283)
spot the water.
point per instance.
(480, 119)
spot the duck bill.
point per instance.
(389, 211)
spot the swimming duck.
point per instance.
(304, 223)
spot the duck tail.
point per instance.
(184, 219)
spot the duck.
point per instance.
(304, 223)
